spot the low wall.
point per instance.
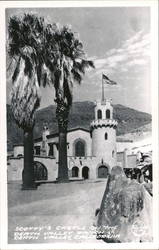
(126, 161)
(132, 161)
(15, 167)
(120, 159)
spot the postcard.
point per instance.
(79, 123)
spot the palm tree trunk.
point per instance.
(62, 113)
(63, 168)
(28, 171)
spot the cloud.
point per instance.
(137, 62)
(100, 62)
(134, 53)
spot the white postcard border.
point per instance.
(3, 129)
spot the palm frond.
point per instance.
(16, 71)
(67, 92)
(25, 97)
(88, 63)
(14, 30)
(47, 54)
(77, 76)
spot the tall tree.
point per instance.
(43, 54)
(25, 50)
(66, 62)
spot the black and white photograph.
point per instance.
(81, 163)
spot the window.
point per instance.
(107, 114)
(106, 136)
(99, 114)
(51, 149)
(80, 148)
(37, 150)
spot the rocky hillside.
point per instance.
(82, 113)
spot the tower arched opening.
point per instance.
(99, 114)
(108, 114)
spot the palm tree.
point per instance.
(66, 63)
(44, 54)
(25, 49)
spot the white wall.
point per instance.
(51, 166)
(103, 148)
(18, 150)
(82, 162)
(92, 163)
(14, 169)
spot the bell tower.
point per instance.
(103, 130)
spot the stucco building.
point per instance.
(91, 153)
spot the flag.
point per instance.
(107, 80)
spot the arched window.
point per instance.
(80, 148)
(75, 171)
(106, 136)
(107, 114)
(99, 114)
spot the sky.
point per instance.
(117, 39)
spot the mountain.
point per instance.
(81, 114)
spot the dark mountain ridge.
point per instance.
(81, 114)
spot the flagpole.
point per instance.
(102, 89)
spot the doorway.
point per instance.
(40, 171)
(102, 171)
(75, 171)
(85, 173)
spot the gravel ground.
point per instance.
(59, 212)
